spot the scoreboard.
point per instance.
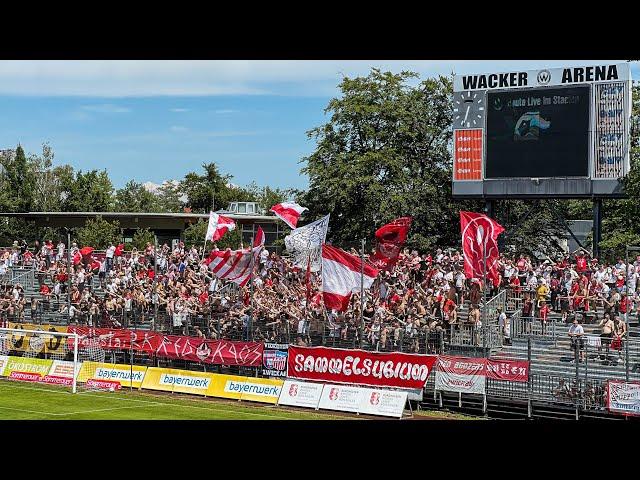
(562, 132)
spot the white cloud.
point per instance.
(126, 78)
(225, 111)
(179, 129)
(105, 108)
(178, 109)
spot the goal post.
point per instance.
(40, 356)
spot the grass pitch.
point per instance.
(28, 401)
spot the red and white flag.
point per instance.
(390, 240)
(288, 212)
(218, 226)
(479, 243)
(235, 265)
(341, 276)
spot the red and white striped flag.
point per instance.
(288, 212)
(235, 265)
(341, 276)
(218, 226)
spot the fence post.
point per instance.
(529, 382)
(441, 349)
(577, 389)
(626, 355)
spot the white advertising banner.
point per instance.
(454, 382)
(341, 397)
(300, 394)
(61, 368)
(388, 403)
(623, 397)
(460, 374)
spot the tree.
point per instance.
(133, 197)
(99, 233)
(169, 197)
(20, 183)
(384, 153)
(201, 190)
(141, 237)
(86, 192)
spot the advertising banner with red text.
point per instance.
(468, 375)
(623, 397)
(336, 365)
(461, 374)
(193, 349)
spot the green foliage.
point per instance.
(85, 192)
(194, 235)
(201, 189)
(133, 197)
(168, 198)
(99, 233)
(19, 185)
(141, 237)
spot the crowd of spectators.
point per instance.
(417, 299)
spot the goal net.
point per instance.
(40, 356)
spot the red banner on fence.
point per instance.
(465, 368)
(193, 349)
(510, 370)
(336, 365)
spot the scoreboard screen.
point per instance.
(538, 133)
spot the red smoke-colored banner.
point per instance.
(336, 365)
(390, 240)
(479, 245)
(218, 352)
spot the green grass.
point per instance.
(24, 401)
(28, 401)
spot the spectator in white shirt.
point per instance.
(576, 334)
(109, 256)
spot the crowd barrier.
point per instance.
(47, 358)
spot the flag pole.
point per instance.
(484, 294)
(362, 242)
(253, 239)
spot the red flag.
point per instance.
(479, 235)
(288, 212)
(391, 238)
(218, 226)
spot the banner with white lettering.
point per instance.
(623, 397)
(461, 374)
(300, 394)
(336, 365)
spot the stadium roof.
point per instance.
(172, 221)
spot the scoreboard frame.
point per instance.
(604, 180)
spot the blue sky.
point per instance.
(157, 120)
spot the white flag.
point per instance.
(305, 242)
